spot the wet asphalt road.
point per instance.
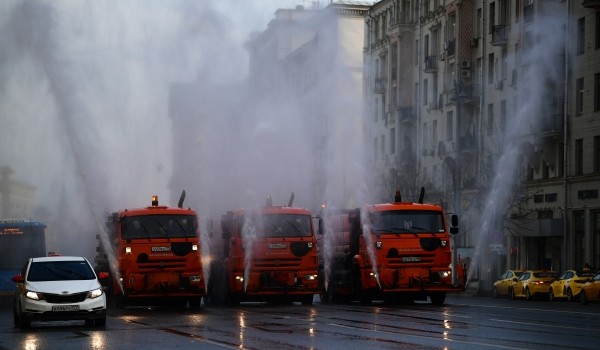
(463, 323)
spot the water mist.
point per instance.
(539, 65)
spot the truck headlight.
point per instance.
(445, 273)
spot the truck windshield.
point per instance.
(412, 222)
(282, 225)
(158, 226)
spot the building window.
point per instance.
(517, 10)
(478, 24)
(503, 115)
(561, 160)
(597, 91)
(597, 154)
(375, 149)
(597, 46)
(490, 68)
(450, 126)
(382, 145)
(492, 17)
(416, 53)
(579, 234)
(392, 140)
(580, 35)
(394, 62)
(579, 96)
(596, 241)
(425, 92)
(579, 157)
(490, 119)
(434, 136)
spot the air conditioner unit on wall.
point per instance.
(474, 42)
(465, 64)
(465, 73)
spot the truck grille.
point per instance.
(280, 262)
(420, 260)
(162, 264)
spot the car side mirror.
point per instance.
(514, 280)
(18, 279)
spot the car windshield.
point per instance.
(60, 271)
(158, 226)
(545, 275)
(279, 225)
(408, 221)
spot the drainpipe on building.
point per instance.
(419, 81)
(565, 136)
(481, 104)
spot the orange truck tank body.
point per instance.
(265, 254)
(158, 256)
(389, 251)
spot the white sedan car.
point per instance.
(59, 288)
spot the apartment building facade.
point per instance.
(493, 106)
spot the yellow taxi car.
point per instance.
(568, 285)
(532, 283)
(505, 280)
(590, 291)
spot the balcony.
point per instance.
(593, 4)
(465, 93)
(406, 115)
(552, 126)
(500, 35)
(431, 64)
(528, 13)
(450, 47)
(468, 144)
(379, 87)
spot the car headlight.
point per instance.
(95, 293)
(34, 295)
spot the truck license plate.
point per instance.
(65, 308)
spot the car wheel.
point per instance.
(527, 294)
(496, 295)
(551, 295)
(438, 298)
(18, 320)
(569, 295)
(583, 298)
(100, 322)
(511, 294)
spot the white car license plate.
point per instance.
(65, 308)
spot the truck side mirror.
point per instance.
(321, 226)
(454, 224)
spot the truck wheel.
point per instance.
(357, 288)
(307, 299)
(438, 298)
